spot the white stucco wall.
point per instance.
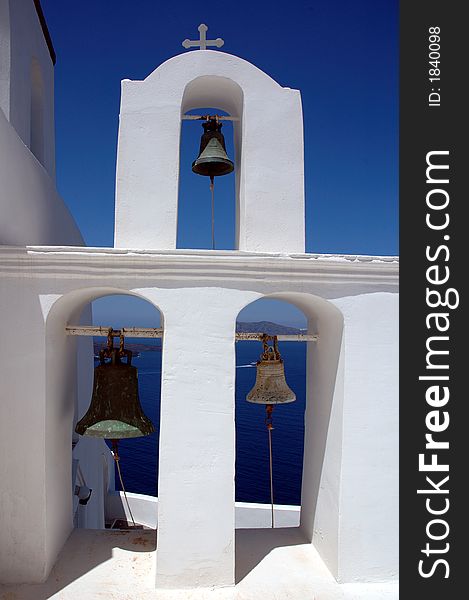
(354, 434)
(22, 43)
(46, 288)
(5, 56)
(369, 481)
(268, 162)
(248, 515)
(32, 211)
(320, 494)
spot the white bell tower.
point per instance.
(269, 163)
(345, 531)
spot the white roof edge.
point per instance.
(181, 252)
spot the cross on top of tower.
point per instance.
(203, 42)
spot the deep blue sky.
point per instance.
(341, 55)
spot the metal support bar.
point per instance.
(285, 337)
(136, 332)
(206, 117)
(157, 332)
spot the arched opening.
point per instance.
(211, 95)
(307, 444)
(194, 225)
(36, 144)
(138, 456)
(87, 461)
(252, 455)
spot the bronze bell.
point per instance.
(212, 160)
(115, 411)
(271, 386)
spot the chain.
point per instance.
(270, 352)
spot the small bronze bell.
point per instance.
(271, 386)
(115, 411)
(212, 160)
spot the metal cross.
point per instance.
(203, 42)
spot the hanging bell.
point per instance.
(271, 386)
(115, 411)
(212, 160)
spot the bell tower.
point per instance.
(343, 531)
(268, 162)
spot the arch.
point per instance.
(213, 90)
(70, 304)
(61, 405)
(252, 485)
(227, 95)
(269, 154)
(320, 494)
(194, 200)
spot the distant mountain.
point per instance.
(134, 346)
(266, 327)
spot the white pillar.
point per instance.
(23, 546)
(196, 523)
(38, 391)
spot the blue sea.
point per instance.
(139, 456)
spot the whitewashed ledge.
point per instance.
(248, 515)
(196, 265)
(119, 565)
(203, 253)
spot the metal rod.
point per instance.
(271, 478)
(157, 332)
(136, 332)
(115, 454)
(206, 117)
(285, 337)
(212, 190)
(268, 421)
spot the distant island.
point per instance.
(266, 327)
(241, 327)
(135, 347)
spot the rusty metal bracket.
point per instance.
(208, 117)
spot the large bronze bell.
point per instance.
(212, 160)
(271, 386)
(115, 411)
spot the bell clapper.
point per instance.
(268, 421)
(116, 457)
